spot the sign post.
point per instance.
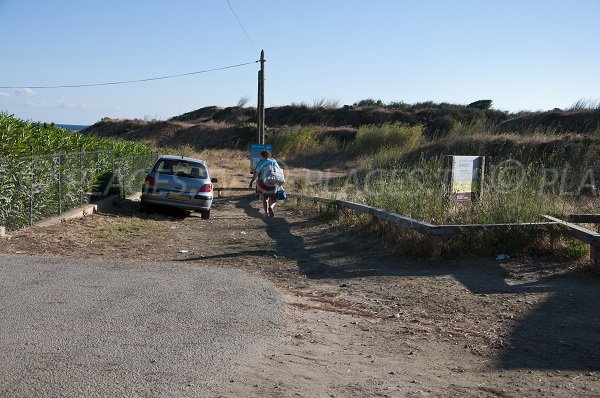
(466, 177)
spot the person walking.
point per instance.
(267, 192)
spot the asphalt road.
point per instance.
(114, 329)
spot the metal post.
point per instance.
(113, 174)
(31, 174)
(81, 179)
(112, 158)
(59, 186)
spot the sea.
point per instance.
(72, 127)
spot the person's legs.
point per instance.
(271, 201)
(265, 202)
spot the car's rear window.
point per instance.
(181, 168)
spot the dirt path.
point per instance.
(364, 323)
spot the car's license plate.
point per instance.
(178, 197)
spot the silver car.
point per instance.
(180, 182)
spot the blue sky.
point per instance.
(524, 55)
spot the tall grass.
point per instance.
(301, 141)
(325, 103)
(416, 191)
(419, 190)
(372, 138)
(469, 129)
(585, 104)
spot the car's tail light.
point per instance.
(206, 188)
(150, 181)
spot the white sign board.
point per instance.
(465, 177)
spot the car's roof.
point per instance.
(173, 157)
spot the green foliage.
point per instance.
(585, 104)
(45, 170)
(243, 101)
(181, 150)
(300, 183)
(574, 250)
(20, 138)
(478, 126)
(415, 191)
(372, 138)
(369, 103)
(419, 190)
(511, 195)
(399, 105)
(301, 141)
(324, 103)
(481, 104)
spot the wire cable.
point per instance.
(131, 81)
(242, 26)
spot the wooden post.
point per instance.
(258, 112)
(595, 256)
(481, 177)
(554, 239)
(260, 108)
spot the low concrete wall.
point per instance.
(79, 212)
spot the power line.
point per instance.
(242, 26)
(132, 81)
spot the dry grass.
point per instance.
(231, 167)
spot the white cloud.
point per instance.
(25, 92)
(63, 103)
(37, 105)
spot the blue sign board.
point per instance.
(255, 150)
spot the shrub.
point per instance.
(369, 103)
(372, 138)
(323, 103)
(302, 141)
(481, 104)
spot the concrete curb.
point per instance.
(79, 212)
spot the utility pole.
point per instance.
(260, 108)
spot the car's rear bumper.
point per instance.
(183, 201)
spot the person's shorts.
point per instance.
(266, 191)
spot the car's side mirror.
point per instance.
(214, 180)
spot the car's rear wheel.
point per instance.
(205, 214)
(145, 207)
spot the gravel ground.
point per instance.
(112, 328)
(361, 321)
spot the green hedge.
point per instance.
(45, 170)
(19, 138)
